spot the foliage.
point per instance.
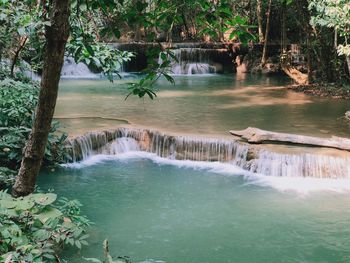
(26, 20)
(93, 20)
(218, 18)
(35, 227)
(17, 104)
(107, 257)
(22, 22)
(7, 177)
(83, 46)
(333, 14)
(18, 99)
(159, 19)
(100, 57)
(155, 70)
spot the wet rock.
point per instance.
(347, 115)
(252, 154)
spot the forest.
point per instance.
(132, 130)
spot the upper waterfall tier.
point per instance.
(204, 57)
(247, 157)
(71, 69)
(191, 61)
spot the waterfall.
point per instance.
(245, 156)
(191, 61)
(71, 69)
(294, 165)
(122, 145)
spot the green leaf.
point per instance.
(49, 213)
(8, 203)
(41, 234)
(44, 199)
(116, 32)
(24, 204)
(89, 49)
(83, 7)
(21, 31)
(78, 244)
(169, 78)
(95, 260)
(49, 256)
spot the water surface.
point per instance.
(211, 104)
(176, 211)
(153, 211)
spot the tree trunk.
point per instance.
(348, 62)
(138, 34)
(264, 55)
(169, 35)
(260, 20)
(137, 25)
(347, 57)
(184, 21)
(56, 38)
(308, 57)
(284, 29)
(326, 54)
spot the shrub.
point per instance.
(17, 106)
(7, 177)
(34, 228)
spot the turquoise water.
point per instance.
(159, 212)
(210, 105)
(154, 210)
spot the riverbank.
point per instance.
(331, 90)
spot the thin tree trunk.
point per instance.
(260, 20)
(23, 41)
(264, 55)
(308, 56)
(137, 29)
(137, 25)
(169, 35)
(56, 38)
(284, 29)
(348, 62)
(184, 20)
(347, 57)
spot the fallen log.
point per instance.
(299, 77)
(255, 135)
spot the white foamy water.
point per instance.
(71, 69)
(300, 185)
(190, 61)
(298, 172)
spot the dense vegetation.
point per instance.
(18, 99)
(36, 227)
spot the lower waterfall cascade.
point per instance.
(238, 154)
